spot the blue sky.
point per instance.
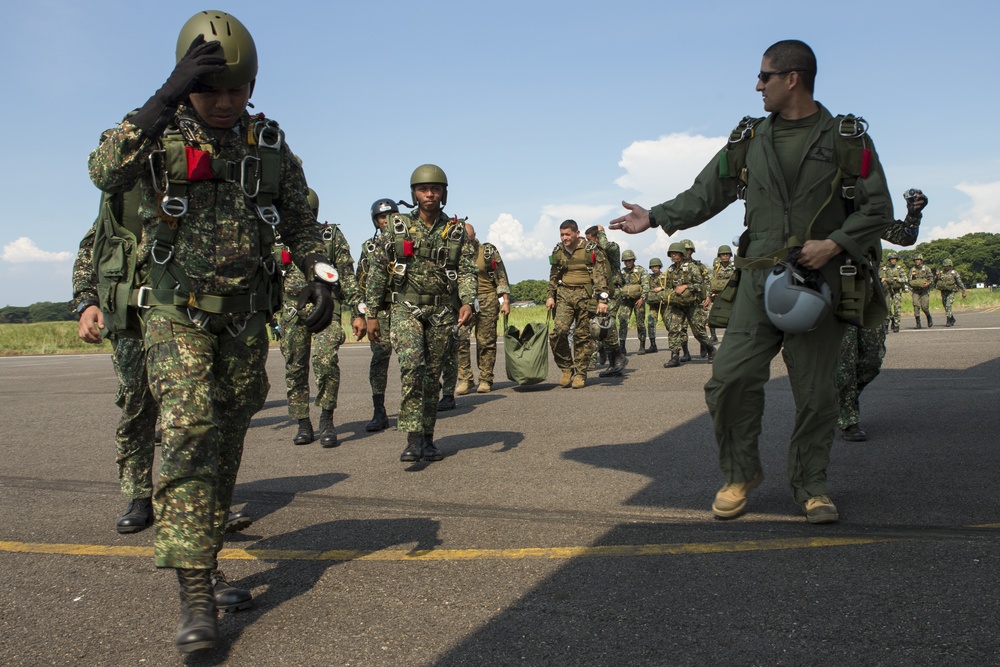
(538, 111)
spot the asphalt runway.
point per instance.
(563, 527)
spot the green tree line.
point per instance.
(43, 311)
(976, 256)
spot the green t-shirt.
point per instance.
(790, 143)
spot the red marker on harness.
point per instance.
(407, 248)
(286, 257)
(199, 164)
(866, 162)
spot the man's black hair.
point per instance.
(796, 55)
(569, 224)
(593, 230)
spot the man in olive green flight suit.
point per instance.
(786, 156)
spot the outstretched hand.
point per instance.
(633, 222)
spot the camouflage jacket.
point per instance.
(490, 271)
(415, 273)
(893, 277)
(685, 273)
(920, 275)
(84, 278)
(338, 251)
(658, 281)
(217, 244)
(614, 255)
(593, 259)
(721, 275)
(949, 280)
(365, 266)
(638, 275)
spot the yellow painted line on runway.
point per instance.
(550, 553)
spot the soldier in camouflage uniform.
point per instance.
(429, 288)
(921, 284)
(378, 369)
(208, 284)
(134, 443)
(608, 346)
(297, 343)
(723, 270)
(862, 350)
(893, 277)
(685, 296)
(493, 287)
(948, 282)
(699, 318)
(578, 288)
(656, 301)
(635, 289)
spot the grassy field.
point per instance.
(61, 338)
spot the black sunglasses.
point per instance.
(765, 76)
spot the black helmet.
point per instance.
(796, 299)
(381, 207)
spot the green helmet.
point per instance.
(947, 262)
(628, 255)
(724, 250)
(313, 202)
(918, 256)
(237, 45)
(429, 173)
(656, 261)
(676, 247)
(892, 255)
(688, 245)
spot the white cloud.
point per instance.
(656, 169)
(509, 236)
(25, 251)
(982, 215)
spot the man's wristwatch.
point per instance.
(652, 220)
(84, 305)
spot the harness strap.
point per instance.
(421, 299)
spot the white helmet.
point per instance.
(796, 299)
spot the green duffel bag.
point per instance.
(526, 352)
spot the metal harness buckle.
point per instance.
(198, 317)
(327, 233)
(144, 292)
(848, 270)
(157, 246)
(174, 206)
(847, 191)
(265, 128)
(399, 269)
(159, 187)
(245, 170)
(269, 214)
(238, 323)
(452, 274)
(268, 264)
(853, 126)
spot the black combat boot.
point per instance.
(917, 318)
(621, 345)
(380, 420)
(138, 516)
(237, 521)
(642, 346)
(305, 434)
(930, 322)
(414, 448)
(652, 346)
(674, 360)
(687, 355)
(704, 350)
(198, 629)
(615, 364)
(431, 452)
(446, 403)
(711, 353)
(228, 598)
(602, 355)
(714, 338)
(327, 434)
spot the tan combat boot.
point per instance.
(579, 381)
(731, 499)
(484, 387)
(820, 509)
(567, 377)
(463, 387)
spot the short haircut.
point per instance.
(569, 224)
(593, 230)
(795, 55)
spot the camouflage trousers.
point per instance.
(611, 339)
(572, 312)
(378, 370)
(948, 300)
(296, 345)
(421, 348)
(861, 354)
(657, 312)
(485, 323)
(208, 386)
(699, 321)
(625, 311)
(136, 426)
(921, 301)
(894, 303)
(678, 320)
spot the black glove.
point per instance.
(318, 294)
(916, 204)
(201, 58)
